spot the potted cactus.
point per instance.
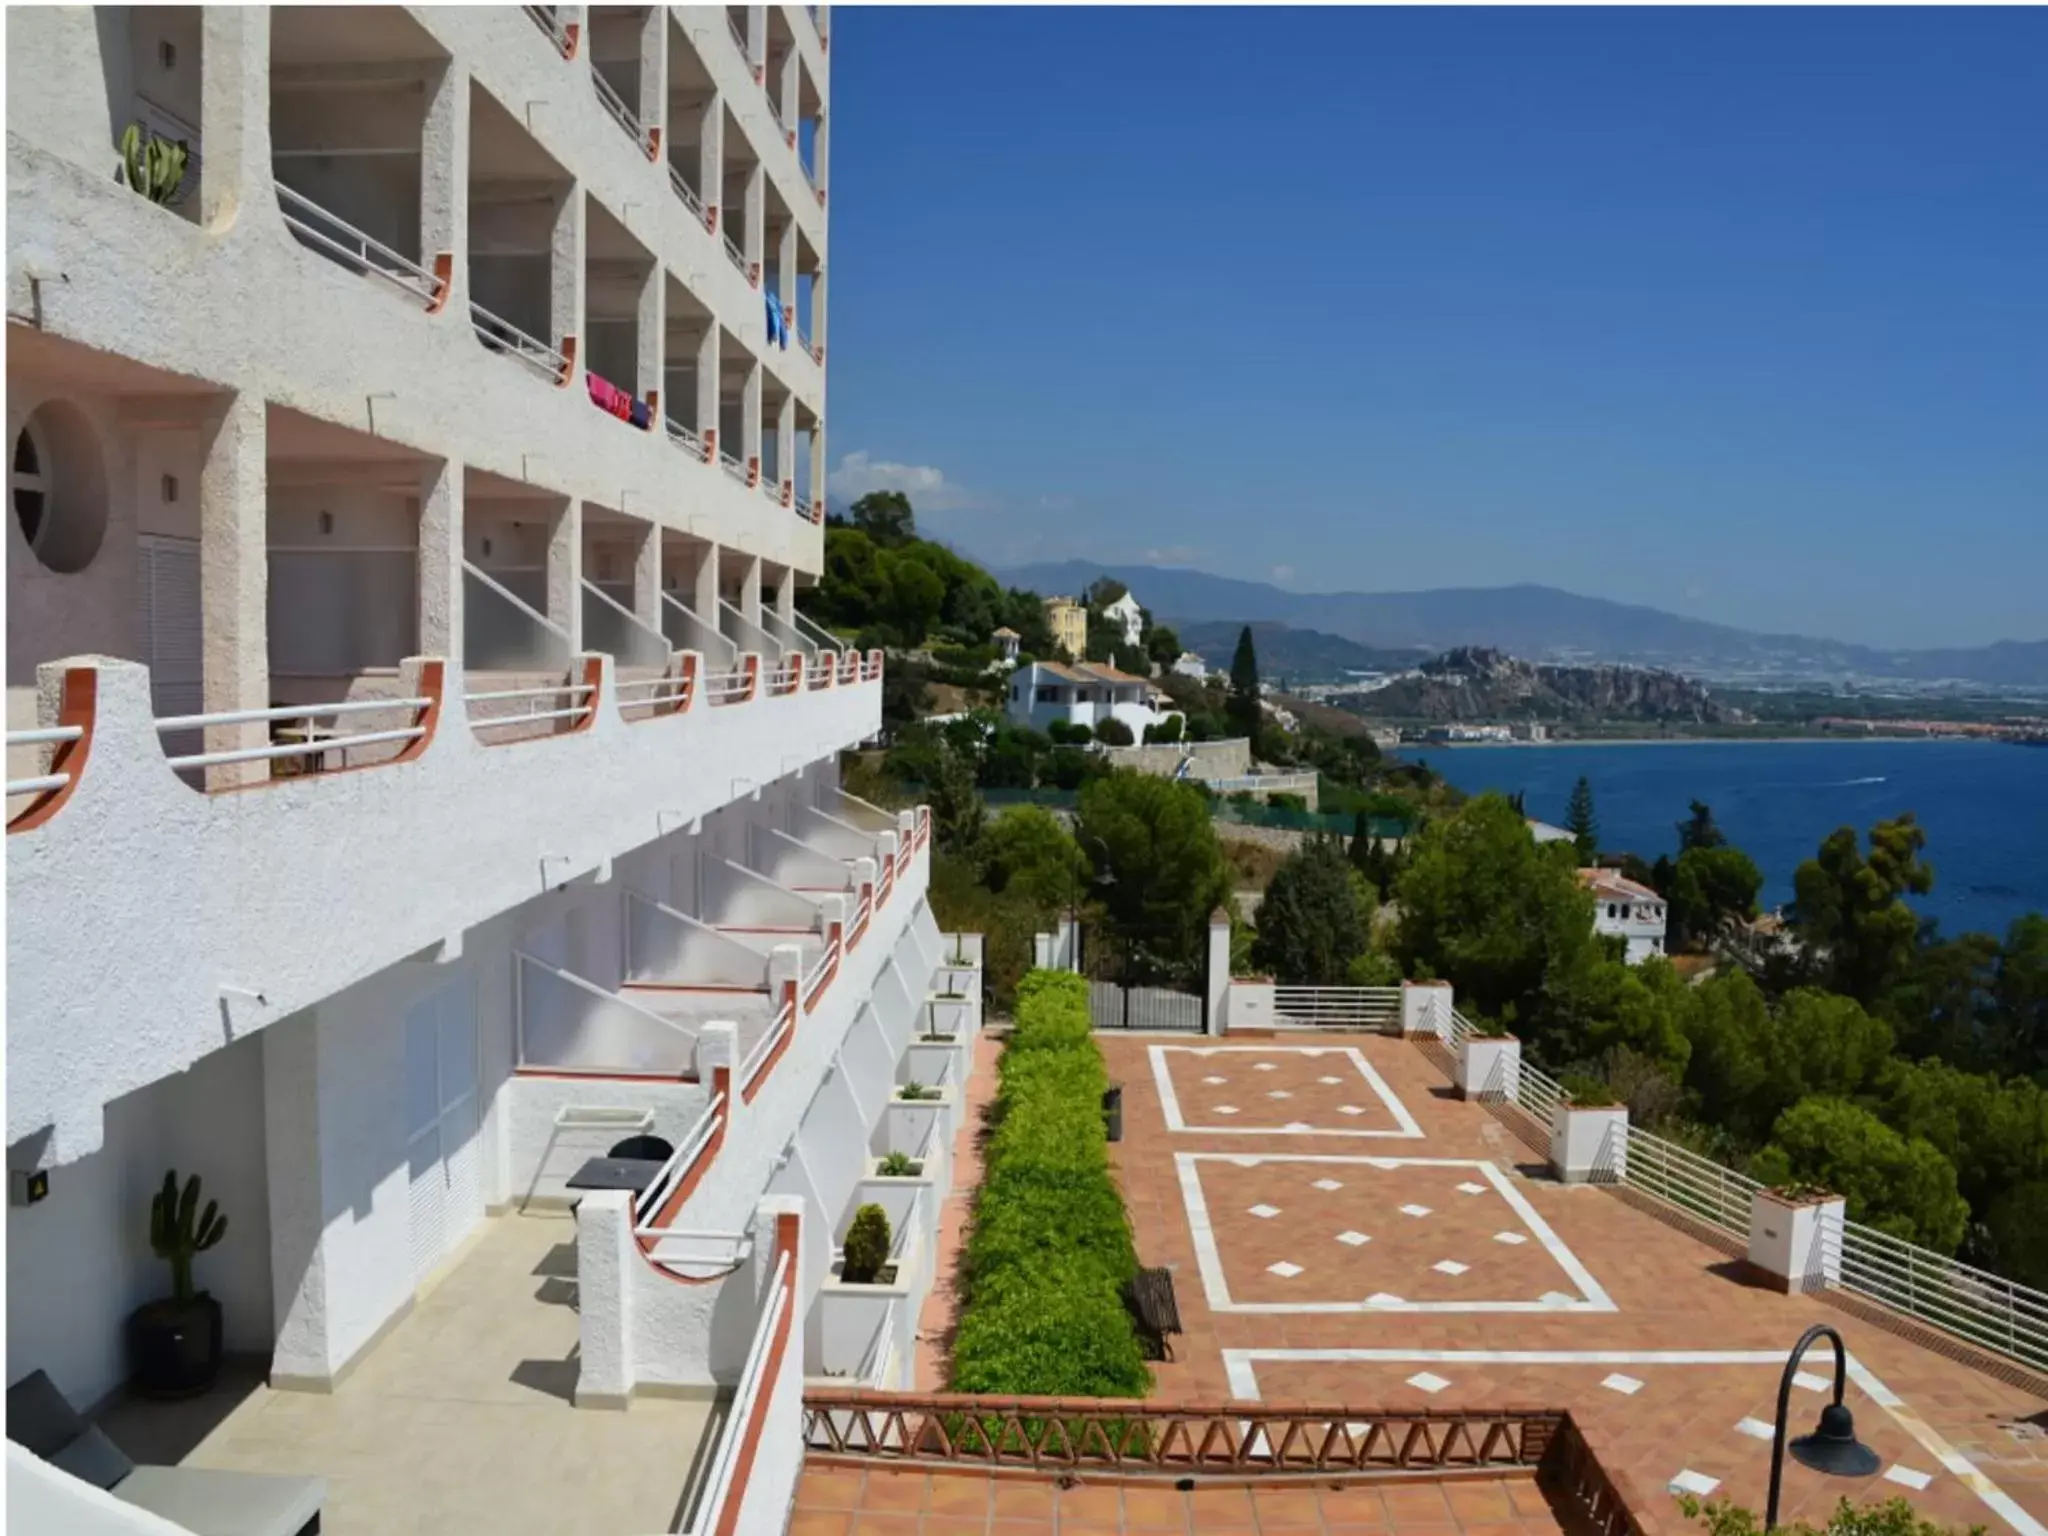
(865, 1257)
(175, 1342)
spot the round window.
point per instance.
(57, 483)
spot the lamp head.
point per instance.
(1833, 1448)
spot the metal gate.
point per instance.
(1126, 993)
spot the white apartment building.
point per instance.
(1083, 693)
(1628, 910)
(419, 777)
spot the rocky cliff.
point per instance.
(1475, 684)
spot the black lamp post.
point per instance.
(1832, 1447)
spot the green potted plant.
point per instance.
(866, 1252)
(175, 1342)
(898, 1165)
(916, 1093)
(153, 166)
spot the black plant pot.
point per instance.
(174, 1347)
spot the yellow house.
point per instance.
(1068, 621)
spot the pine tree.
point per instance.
(1242, 708)
(1580, 822)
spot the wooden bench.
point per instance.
(1149, 1296)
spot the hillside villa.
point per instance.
(1622, 907)
(1085, 693)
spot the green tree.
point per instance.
(1311, 924)
(1897, 1184)
(2015, 1239)
(1162, 645)
(885, 517)
(1497, 914)
(1604, 1006)
(2018, 1032)
(1113, 732)
(958, 814)
(1749, 1065)
(1850, 911)
(1159, 869)
(1580, 821)
(1241, 710)
(1710, 885)
(1698, 829)
(916, 594)
(1103, 591)
(1031, 854)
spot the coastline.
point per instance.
(1677, 741)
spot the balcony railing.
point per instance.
(704, 1135)
(734, 254)
(732, 466)
(1719, 1196)
(1350, 1008)
(683, 437)
(559, 32)
(529, 707)
(615, 104)
(41, 783)
(739, 40)
(1540, 1095)
(355, 251)
(1971, 1303)
(501, 335)
(315, 740)
(746, 1421)
(690, 199)
(803, 507)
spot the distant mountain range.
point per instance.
(1478, 685)
(1307, 655)
(1544, 624)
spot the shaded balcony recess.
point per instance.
(520, 208)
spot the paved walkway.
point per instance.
(1344, 1231)
(461, 1419)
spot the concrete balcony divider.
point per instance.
(209, 915)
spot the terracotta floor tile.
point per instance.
(1155, 1509)
(1499, 1528)
(1416, 1504)
(828, 1488)
(1088, 1528)
(1020, 1528)
(821, 1522)
(900, 1492)
(1283, 1506)
(961, 1494)
(1355, 1505)
(954, 1525)
(1220, 1507)
(1528, 1500)
(886, 1523)
(1097, 1504)
(1017, 1499)
(1483, 1504)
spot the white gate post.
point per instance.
(1216, 994)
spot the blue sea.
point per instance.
(1984, 805)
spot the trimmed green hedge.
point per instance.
(1051, 1249)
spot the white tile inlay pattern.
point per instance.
(1226, 1109)
(1264, 1212)
(1907, 1477)
(1449, 1267)
(1627, 1386)
(1557, 1299)
(1414, 1210)
(1353, 1239)
(1471, 1189)
(1383, 1299)
(1428, 1381)
(1512, 1239)
(1279, 1093)
(1697, 1483)
(1284, 1270)
(1329, 1184)
(1329, 1082)
(1349, 1109)
(1756, 1429)
(1264, 1066)
(1214, 1081)
(1811, 1382)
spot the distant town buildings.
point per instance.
(1007, 641)
(1068, 621)
(1544, 832)
(1632, 912)
(1188, 664)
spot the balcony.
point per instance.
(194, 909)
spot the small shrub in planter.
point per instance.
(916, 1093)
(1799, 1192)
(899, 1165)
(1588, 1091)
(867, 1246)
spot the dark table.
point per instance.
(632, 1174)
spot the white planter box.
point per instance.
(1589, 1145)
(1789, 1241)
(1248, 1005)
(952, 1016)
(964, 979)
(907, 1122)
(1490, 1068)
(1426, 1008)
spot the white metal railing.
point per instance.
(583, 691)
(746, 1403)
(803, 338)
(739, 40)
(304, 712)
(1970, 1303)
(683, 190)
(680, 1162)
(728, 687)
(815, 977)
(501, 335)
(671, 689)
(771, 487)
(1376, 1008)
(802, 503)
(874, 1365)
(615, 104)
(43, 736)
(351, 247)
(775, 112)
(765, 1047)
(784, 678)
(1694, 1184)
(1462, 1029)
(1269, 783)
(735, 467)
(1539, 1093)
(733, 253)
(683, 437)
(546, 18)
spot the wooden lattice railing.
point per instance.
(1107, 1435)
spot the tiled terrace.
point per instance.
(1448, 1270)
(461, 1418)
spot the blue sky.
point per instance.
(1742, 313)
